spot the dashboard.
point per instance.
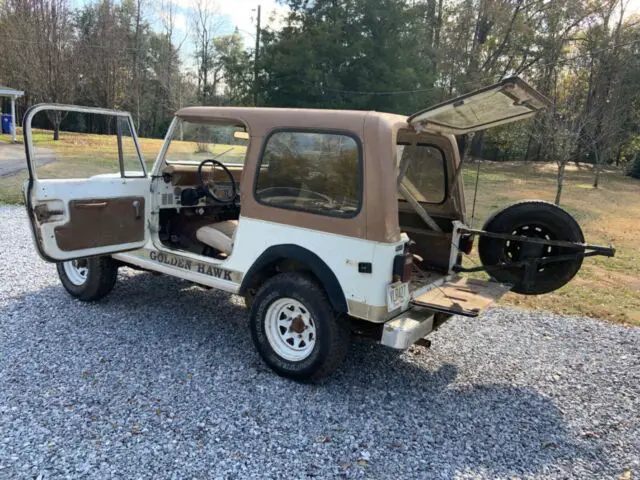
(180, 182)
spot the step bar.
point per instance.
(407, 328)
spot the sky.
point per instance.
(633, 7)
(239, 14)
(233, 14)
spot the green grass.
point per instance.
(605, 287)
(83, 155)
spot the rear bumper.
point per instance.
(404, 330)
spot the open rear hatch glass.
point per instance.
(462, 296)
(508, 101)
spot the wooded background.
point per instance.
(388, 55)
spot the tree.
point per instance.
(349, 54)
(45, 62)
(103, 55)
(235, 66)
(206, 23)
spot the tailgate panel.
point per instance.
(462, 296)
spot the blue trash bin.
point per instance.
(6, 123)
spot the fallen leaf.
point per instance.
(626, 475)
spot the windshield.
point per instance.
(425, 177)
(195, 142)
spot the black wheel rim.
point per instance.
(515, 251)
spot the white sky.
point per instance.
(235, 13)
(633, 7)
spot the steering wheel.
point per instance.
(208, 184)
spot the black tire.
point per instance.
(249, 297)
(533, 218)
(332, 331)
(101, 275)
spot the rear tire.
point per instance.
(532, 219)
(88, 279)
(295, 330)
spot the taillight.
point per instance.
(403, 266)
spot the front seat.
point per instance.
(218, 235)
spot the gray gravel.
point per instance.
(160, 380)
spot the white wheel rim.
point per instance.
(76, 271)
(290, 330)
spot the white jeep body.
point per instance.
(351, 257)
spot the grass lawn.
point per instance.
(605, 287)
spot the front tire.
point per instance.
(295, 330)
(88, 279)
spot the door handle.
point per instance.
(136, 207)
(91, 205)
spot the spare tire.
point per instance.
(531, 218)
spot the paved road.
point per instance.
(13, 159)
(160, 380)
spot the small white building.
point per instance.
(12, 94)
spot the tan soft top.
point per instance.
(259, 120)
(378, 219)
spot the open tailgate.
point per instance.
(508, 101)
(462, 296)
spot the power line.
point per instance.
(561, 61)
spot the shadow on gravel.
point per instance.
(157, 344)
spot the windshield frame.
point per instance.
(175, 123)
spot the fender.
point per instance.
(316, 265)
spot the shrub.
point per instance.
(634, 168)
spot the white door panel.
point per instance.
(56, 206)
(82, 217)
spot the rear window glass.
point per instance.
(426, 176)
(309, 171)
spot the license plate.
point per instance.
(397, 295)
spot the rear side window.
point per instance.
(426, 177)
(317, 172)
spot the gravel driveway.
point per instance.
(160, 380)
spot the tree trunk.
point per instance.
(476, 144)
(598, 168)
(56, 131)
(560, 180)
(526, 152)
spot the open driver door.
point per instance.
(103, 209)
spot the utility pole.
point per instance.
(255, 61)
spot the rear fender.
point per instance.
(277, 254)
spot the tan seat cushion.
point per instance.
(218, 235)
